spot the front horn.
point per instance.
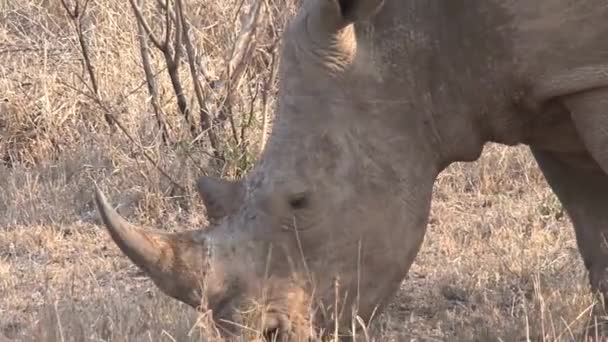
(176, 262)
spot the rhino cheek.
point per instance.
(391, 237)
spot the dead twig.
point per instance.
(241, 53)
(205, 116)
(76, 15)
(266, 93)
(151, 81)
(146, 155)
(110, 113)
(171, 49)
(254, 97)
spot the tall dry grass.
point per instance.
(499, 262)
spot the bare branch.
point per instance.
(237, 11)
(241, 52)
(77, 16)
(150, 159)
(163, 5)
(266, 94)
(168, 23)
(72, 13)
(182, 101)
(87, 58)
(85, 6)
(205, 117)
(228, 106)
(171, 53)
(179, 33)
(144, 23)
(110, 113)
(151, 82)
(243, 44)
(251, 114)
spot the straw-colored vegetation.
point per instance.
(499, 261)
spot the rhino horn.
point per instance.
(173, 261)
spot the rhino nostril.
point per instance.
(271, 335)
(272, 329)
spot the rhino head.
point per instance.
(328, 222)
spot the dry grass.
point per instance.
(499, 261)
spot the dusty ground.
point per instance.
(499, 262)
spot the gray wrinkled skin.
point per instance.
(376, 98)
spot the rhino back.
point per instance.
(490, 39)
(554, 35)
(463, 58)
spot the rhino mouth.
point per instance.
(271, 326)
(183, 266)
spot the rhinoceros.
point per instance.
(375, 99)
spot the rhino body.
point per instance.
(376, 98)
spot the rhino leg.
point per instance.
(589, 112)
(582, 187)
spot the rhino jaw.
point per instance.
(176, 262)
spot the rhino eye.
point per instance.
(299, 201)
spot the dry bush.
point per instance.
(499, 261)
(77, 105)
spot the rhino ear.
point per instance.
(220, 196)
(356, 10)
(334, 15)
